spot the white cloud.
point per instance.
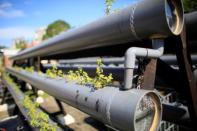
(7, 11)
(11, 14)
(5, 5)
(16, 32)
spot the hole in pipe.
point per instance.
(86, 99)
(145, 113)
(174, 15)
(97, 105)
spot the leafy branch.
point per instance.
(108, 4)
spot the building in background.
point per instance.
(38, 37)
(6, 53)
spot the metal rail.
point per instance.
(125, 26)
(124, 110)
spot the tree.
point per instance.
(190, 5)
(55, 28)
(108, 4)
(20, 43)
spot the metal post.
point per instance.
(148, 82)
(185, 67)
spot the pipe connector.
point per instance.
(134, 52)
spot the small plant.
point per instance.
(82, 78)
(54, 72)
(18, 68)
(37, 118)
(40, 73)
(29, 69)
(100, 79)
(50, 74)
(11, 82)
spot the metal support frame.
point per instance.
(61, 108)
(5, 92)
(185, 67)
(38, 64)
(169, 75)
(148, 82)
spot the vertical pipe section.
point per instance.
(133, 52)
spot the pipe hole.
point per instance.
(148, 113)
(174, 15)
(97, 105)
(86, 98)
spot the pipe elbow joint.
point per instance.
(158, 45)
(130, 57)
(131, 51)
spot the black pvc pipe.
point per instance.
(145, 19)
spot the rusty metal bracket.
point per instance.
(149, 75)
(185, 67)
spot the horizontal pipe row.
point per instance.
(144, 19)
(172, 112)
(169, 59)
(118, 109)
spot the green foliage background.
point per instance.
(55, 28)
(108, 4)
(21, 44)
(190, 5)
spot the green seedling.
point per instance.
(37, 118)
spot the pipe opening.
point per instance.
(148, 113)
(174, 15)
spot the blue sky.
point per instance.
(21, 18)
